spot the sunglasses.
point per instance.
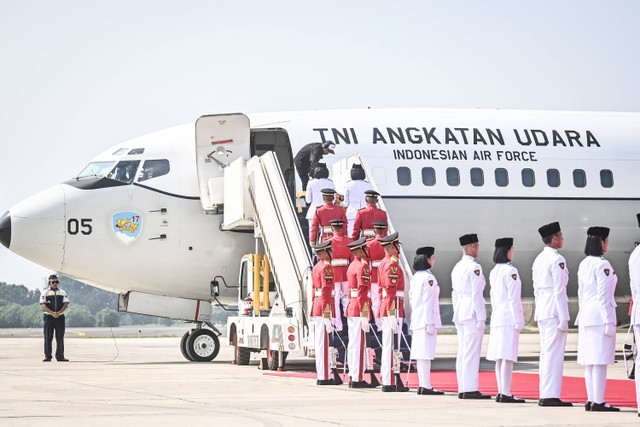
(55, 282)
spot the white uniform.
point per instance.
(634, 278)
(507, 318)
(425, 322)
(354, 199)
(550, 278)
(314, 196)
(321, 341)
(469, 316)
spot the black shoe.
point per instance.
(388, 388)
(429, 391)
(62, 360)
(553, 401)
(510, 399)
(498, 397)
(359, 384)
(326, 382)
(474, 395)
(587, 406)
(46, 359)
(460, 395)
(603, 407)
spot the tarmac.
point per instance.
(144, 381)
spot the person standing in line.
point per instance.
(596, 319)
(376, 254)
(634, 282)
(469, 316)
(550, 278)
(425, 317)
(363, 225)
(313, 196)
(354, 195)
(308, 157)
(54, 302)
(507, 318)
(322, 217)
(322, 311)
(341, 258)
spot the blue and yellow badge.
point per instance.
(127, 226)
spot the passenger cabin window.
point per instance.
(154, 169)
(404, 175)
(124, 171)
(528, 177)
(93, 169)
(553, 177)
(136, 151)
(579, 178)
(428, 176)
(502, 177)
(606, 178)
(120, 152)
(453, 177)
(477, 177)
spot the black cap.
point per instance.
(602, 232)
(426, 250)
(328, 191)
(337, 222)
(391, 238)
(53, 276)
(379, 224)
(372, 193)
(504, 242)
(549, 229)
(324, 246)
(468, 239)
(329, 146)
(357, 244)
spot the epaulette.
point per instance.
(394, 259)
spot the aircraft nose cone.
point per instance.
(5, 229)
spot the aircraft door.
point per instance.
(220, 139)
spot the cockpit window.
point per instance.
(120, 152)
(124, 171)
(136, 151)
(154, 169)
(95, 169)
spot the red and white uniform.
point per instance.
(391, 311)
(359, 278)
(321, 219)
(364, 222)
(341, 258)
(321, 310)
(376, 255)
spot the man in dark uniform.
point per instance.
(54, 302)
(308, 157)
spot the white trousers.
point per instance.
(386, 363)
(468, 357)
(552, 346)
(375, 303)
(322, 349)
(504, 372)
(357, 354)
(636, 333)
(341, 297)
(595, 378)
(424, 372)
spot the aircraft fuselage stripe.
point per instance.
(166, 193)
(511, 198)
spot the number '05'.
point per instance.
(75, 226)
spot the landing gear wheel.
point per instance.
(243, 355)
(183, 345)
(203, 345)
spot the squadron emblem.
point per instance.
(126, 226)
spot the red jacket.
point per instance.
(364, 221)
(391, 287)
(322, 278)
(341, 257)
(321, 219)
(359, 276)
(376, 255)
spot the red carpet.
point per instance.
(525, 386)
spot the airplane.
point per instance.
(140, 219)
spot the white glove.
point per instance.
(519, 327)
(327, 325)
(609, 329)
(480, 325)
(563, 326)
(393, 320)
(365, 324)
(431, 330)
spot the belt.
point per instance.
(400, 294)
(326, 229)
(318, 292)
(354, 293)
(375, 263)
(368, 232)
(339, 262)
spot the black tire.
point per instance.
(203, 345)
(183, 345)
(243, 355)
